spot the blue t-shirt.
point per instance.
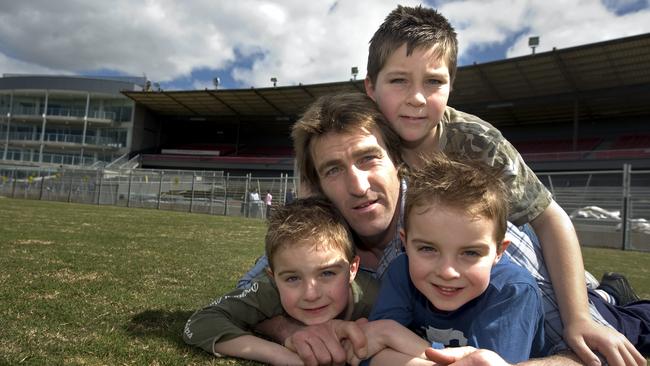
(507, 318)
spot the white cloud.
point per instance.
(294, 40)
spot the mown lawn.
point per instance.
(90, 285)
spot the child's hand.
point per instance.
(464, 356)
(321, 344)
(587, 336)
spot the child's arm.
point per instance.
(563, 258)
(233, 315)
(257, 349)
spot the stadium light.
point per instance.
(274, 80)
(216, 82)
(355, 72)
(533, 42)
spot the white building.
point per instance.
(65, 120)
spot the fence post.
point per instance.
(214, 177)
(13, 184)
(162, 174)
(225, 195)
(101, 182)
(128, 193)
(625, 226)
(247, 202)
(40, 194)
(192, 196)
(71, 184)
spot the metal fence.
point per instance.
(608, 208)
(210, 192)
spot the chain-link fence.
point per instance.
(608, 208)
(210, 192)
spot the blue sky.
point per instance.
(184, 45)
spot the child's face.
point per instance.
(450, 255)
(412, 92)
(313, 281)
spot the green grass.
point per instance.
(89, 285)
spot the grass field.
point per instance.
(89, 285)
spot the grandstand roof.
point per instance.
(603, 80)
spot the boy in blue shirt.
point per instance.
(454, 287)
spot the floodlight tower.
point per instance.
(355, 72)
(533, 42)
(216, 81)
(274, 80)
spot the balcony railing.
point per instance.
(62, 112)
(62, 138)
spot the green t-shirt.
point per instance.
(236, 313)
(468, 136)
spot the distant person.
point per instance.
(312, 277)
(268, 202)
(289, 196)
(254, 203)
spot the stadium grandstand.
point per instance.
(579, 108)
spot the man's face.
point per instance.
(358, 176)
(450, 255)
(412, 92)
(313, 281)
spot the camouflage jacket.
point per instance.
(468, 136)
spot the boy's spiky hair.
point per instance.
(338, 113)
(308, 221)
(416, 27)
(470, 186)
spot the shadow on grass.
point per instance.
(159, 323)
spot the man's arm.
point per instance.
(563, 258)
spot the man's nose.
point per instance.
(358, 183)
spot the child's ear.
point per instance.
(402, 236)
(269, 272)
(370, 89)
(502, 249)
(354, 267)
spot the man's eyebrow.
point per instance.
(368, 150)
(327, 164)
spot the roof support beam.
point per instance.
(179, 103)
(493, 90)
(233, 110)
(269, 102)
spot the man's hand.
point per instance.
(587, 336)
(464, 356)
(321, 344)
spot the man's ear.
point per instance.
(502, 249)
(370, 89)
